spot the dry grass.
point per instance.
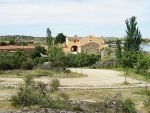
(100, 95)
(38, 73)
(93, 95)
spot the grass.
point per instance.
(100, 95)
(6, 105)
(137, 95)
(38, 73)
(133, 74)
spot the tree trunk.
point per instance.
(146, 81)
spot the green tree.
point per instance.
(11, 42)
(3, 43)
(49, 38)
(127, 61)
(60, 38)
(118, 52)
(56, 56)
(133, 38)
(144, 65)
(36, 52)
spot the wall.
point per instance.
(91, 48)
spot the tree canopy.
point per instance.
(49, 38)
(133, 36)
(60, 38)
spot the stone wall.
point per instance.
(90, 48)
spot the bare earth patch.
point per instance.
(96, 78)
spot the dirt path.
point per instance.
(99, 78)
(96, 78)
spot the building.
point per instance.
(14, 48)
(89, 44)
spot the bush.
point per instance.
(54, 85)
(128, 106)
(25, 97)
(27, 65)
(67, 71)
(37, 93)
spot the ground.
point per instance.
(96, 78)
(95, 86)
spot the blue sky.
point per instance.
(81, 17)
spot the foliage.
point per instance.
(49, 38)
(60, 38)
(128, 106)
(27, 65)
(21, 60)
(81, 59)
(129, 58)
(67, 71)
(11, 42)
(143, 63)
(133, 38)
(56, 56)
(3, 44)
(34, 93)
(118, 52)
(37, 51)
(54, 85)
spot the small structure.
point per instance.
(89, 44)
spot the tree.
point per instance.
(56, 56)
(127, 61)
(60, 38)
(118, 51)
(3, 44)
(11, 42)
(49, 38)
(133, 38)
(36, 52)
(144, 65)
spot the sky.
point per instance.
(73, 17)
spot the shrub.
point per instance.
(25, 97)
(67, 71)
(54, 85)
(128, 106)
(27, 65)
(37, 93)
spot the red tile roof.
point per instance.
(15, 48)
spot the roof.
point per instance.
(74, 38)
(14, 48)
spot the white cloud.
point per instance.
(104, 17)
(66, 12)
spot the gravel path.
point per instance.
(96, 78)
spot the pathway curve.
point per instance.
(96, 78)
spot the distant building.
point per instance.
(89, 44)
(15, 48)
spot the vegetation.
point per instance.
(40, 94)
(21, 60)
(131, 54)
(37, 93)
(60, 38)
(133, 38)
(49, 38)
